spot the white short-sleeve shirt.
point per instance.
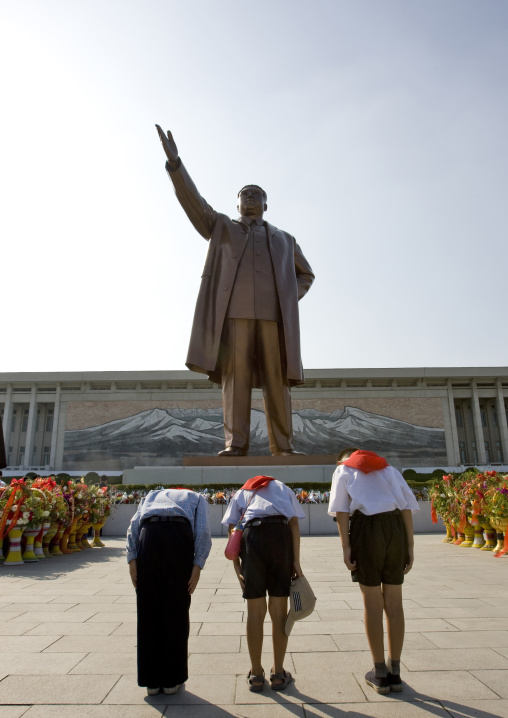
(275, 499)
(372, 493)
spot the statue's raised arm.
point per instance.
(169, 147)
(195, 206)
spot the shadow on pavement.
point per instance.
(57, 566)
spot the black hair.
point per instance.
(256, 186)
(345, 453)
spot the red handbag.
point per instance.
(234, 543)
(233, 546)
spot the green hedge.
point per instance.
(128, 488)
(414, 476)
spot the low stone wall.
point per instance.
(316, 522)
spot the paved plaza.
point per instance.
(68, 637)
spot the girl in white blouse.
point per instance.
(377, 543)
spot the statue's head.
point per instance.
(252, 201)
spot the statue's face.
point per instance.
(251, 202)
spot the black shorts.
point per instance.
(380, 548)
(267, 559)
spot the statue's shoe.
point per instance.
(232, 451)
(290, 452)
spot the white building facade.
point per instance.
(112, 421)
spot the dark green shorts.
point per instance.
(380, 548)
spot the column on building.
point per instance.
(30, 431)
(502, 422)
(54, 435)
(452, 452)
(7, 418)
(477, 424)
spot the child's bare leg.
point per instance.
(278, 608)
(394, 619)
(256, 612)
(373, 602)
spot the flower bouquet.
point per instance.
(497, 507)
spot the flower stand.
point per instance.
(449, 535)
(38, 550)
(46, 539)
(479, 541)
(97, 543)
(14, 557)
(54, 545)
(65, 540)
(501, 526)
(29, 554)
(84, 543)
(460, 538)
(490, 536)
(469, 535)
(71, 545)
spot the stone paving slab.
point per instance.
(477, 709)
(106, 663)
(489, 624)
(26, 644)
(244, 711)
(101, 711)
(37, 689)
(73, 629)
(41, 664)
(324, 688)
(378, 710)
(358, 642)
(495, 680)
(17, 627)
(68, 636)
(444, 658)
(199, 689)
(434, 685)
(101, 644)
(13, 711)
(470, 639)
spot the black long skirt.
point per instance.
(3, 458)
(165, 559)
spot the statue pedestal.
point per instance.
(210, 470)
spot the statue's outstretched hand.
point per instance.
(169, 146)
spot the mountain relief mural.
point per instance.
(162, 437)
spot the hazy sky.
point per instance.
(377, 127)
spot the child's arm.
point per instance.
(407, 516)
(236, 562)
(295, 537)
(343, 526)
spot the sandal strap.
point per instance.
(251, 677)
(280, 675)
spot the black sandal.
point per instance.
(255, 687)
(285, 677)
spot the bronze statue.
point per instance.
(246, 329)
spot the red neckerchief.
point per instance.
(257, 482)
(366, 461)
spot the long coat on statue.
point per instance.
(228, 239)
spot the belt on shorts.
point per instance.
(267, 520)
(150, 519)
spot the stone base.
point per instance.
(297, 460)
(317, 522)
(233, 471)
